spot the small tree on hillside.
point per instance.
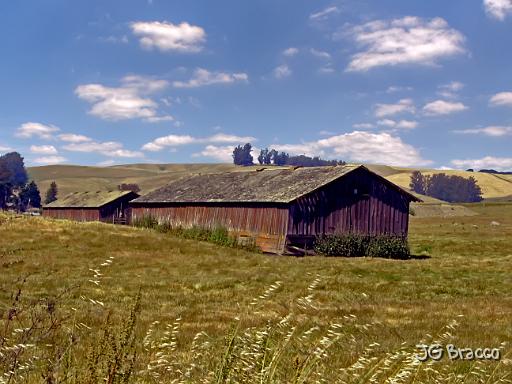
(281, 158)
(129, 187)
(51, 193)
(242, 155)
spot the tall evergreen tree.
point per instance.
(29, 197)
(242, 155)
(51, 193)
(13, 176)
(417, 183)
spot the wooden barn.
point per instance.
(109, 207)
(282, 209)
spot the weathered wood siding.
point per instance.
(76, 214)
(358, 203)
(266, 224)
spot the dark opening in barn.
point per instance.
(279, 207)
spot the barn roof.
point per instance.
(267, 185)
(88, 199)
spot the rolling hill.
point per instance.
(75, 178)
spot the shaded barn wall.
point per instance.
(358, 203)
(75, 214)
(267, 225)
(116, 209)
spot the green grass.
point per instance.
(223, 291)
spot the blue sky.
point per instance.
(410, 83)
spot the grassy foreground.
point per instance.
(84, 302)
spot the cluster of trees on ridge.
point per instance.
(451, 188)
(242, 156)
(16, 191)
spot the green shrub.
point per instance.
(389, 247)
(350, 245)
(354, 245)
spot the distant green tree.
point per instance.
(13, 176)
(242, 155)
(51, 193)
(417, 183)
(281, 158)
(29, 197)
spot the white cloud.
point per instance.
(292, 51)
(450, 90)
(502, 99)
(363, 126)
(403, 106)
(179, 140)
(203, 77)
(498, 9)
(409, 40)
(128, 101)
(43, 149)
(320, 54)
(442, 107)
(29, 130)
(167, 37)
(324, 14)
(220, 153)
(108, 148)
(495, 131)
(396, 88)
(73, 138)
(360, 146)
(47, 160)
(159, 119)
(282, 71)
(402, 124)
(487, 162)
(326, 69)
(5, 149)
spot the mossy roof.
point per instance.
(264, 185)
(88, 199)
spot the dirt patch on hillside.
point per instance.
(441, 210)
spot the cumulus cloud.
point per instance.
(487, 162)
(442, 107)
(129, 101)
(495, 131)
(168, 37)
(501, 99)
(402, 124)
(450, 90)
(43, 149)
(108, 148)
(219, 153)
(73, 138)
(498, 9)
(292, 51)
(409, 40)
(359, 146)
(42, 131)
(324, 13)
(48, 160)
(203, 77)
(179, 140)
(282, 71)
(403, 106)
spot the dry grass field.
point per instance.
(213, 314)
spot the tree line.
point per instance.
(451, 188)
(242, 156)
(16, 191)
